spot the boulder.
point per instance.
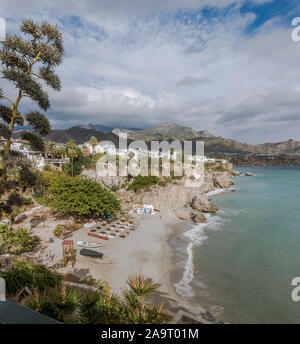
(199, 218)
(249, 174)
(202, 204)
(184, 213)
(36, 220)
(221, 181)
(19, 218)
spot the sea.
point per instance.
(240, 264)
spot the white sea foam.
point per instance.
(217, 191)
(197, 236)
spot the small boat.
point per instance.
(98, 236)
(90, 253)
(88, 244)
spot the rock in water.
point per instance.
(204, 205)
(199, 218)
(249, 174)
(184, 213)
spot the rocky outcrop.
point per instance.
(221, 180)
(184, 213)
(186, 202)
(199, 218)
(188, 213)
(201, 203)
(108, 181)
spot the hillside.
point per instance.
(169, 131)
(166, 131)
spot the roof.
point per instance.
(12, 313)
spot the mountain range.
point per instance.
(170, 131)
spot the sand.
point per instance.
(145, 250)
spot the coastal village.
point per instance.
(111, 248)
(80, 241)
(149, 168)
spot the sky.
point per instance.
(230, 67)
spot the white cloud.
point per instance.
(125, 60)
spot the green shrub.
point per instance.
(58, 231)
(16, 240)
(27, 201)
(81, 197)
(79, 162)
(115, 188)
(61, 229)
(143, 182)
(162, 183)
(24, 274)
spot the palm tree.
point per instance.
(65, 301)
(93, 142)
(49, 148)
(137, 307)
(72, 152)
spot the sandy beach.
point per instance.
(145, 250)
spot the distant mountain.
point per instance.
(170, 131)
(221, 145)
(213, 144)
(81, 135)
(205, 134)
(104, 128)
(166, 131)
(99, 127)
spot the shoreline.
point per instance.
(146, 250)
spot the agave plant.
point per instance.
(136, 301)
(64, 300)
(40, 302)
(16, 240)
(88, 308)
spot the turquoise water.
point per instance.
(250, 250)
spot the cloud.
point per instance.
(192, 81)
(141, 63)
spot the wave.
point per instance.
(217, 191)
(197, 236)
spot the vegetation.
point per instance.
(16, 240)
(215, 167)
(25, 63)
(72, 152)
(78, 160)
(93, 142)
(143, 182)
(51, 297)
(62, 229)
(54, 150)
(24, 274)
(80, 196)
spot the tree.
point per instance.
(54, 150)
(93, 142)
(136, 301)
(72, 152)
(26, 63)
(81, 197)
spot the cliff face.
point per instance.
(265, 161)
(185, 202)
